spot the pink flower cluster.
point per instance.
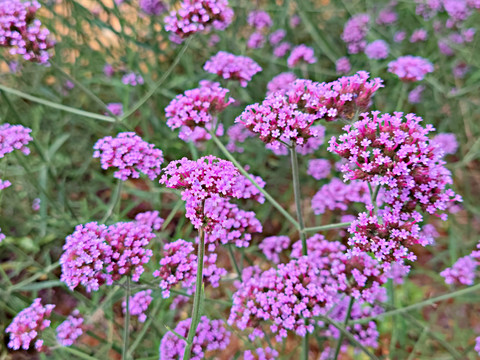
(415, 96)
(446, 143)
(319, 168)
(395, 153)
(132, 79)
(22, 33)
(354, 33)
(138, 304)
(259, 19)
(152, 7)
(206, 178)
(463, 271)
(280, 82)
(130, 154)
(231, 67)
(28, 325)
(151, 219)
(261, 354)
(96, 254)
(410, 68)
(301, 54)
(343, 66)
(247, 190)
(196, 16)
(197, 107)
(115, 108)
(273, 246)
(276, 36)
(71, 329)
(211, 335)
(256, 41)
(377, 50)
(14, 137)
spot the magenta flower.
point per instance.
(419, 35)
(115, 108)
(282, 49)
(71, 329)
(446, 143)
(463, 272)
(28, 325)
(261, 354)
(319, 168)
(197, 16)
(151, 219)
(415, 96)
(280, 82)
(276, 36)
(399, 36)
(410, 68)
(377, 50)
(130, 154)
(354, 33)
(14, 137)
(22, 33)
(231, 67)
(153, 7)
(301, 54)
(256, 41)
(387, 16)
(343, 66)
(138, 304)
(197, 107)
(273, 246)
(259, 19)
(132, 79)
(211, 335)
(35, 204)
(237, 134)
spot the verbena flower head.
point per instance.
(71, 329)
(22, 33)
(463, 272)
(14, 137)
(354, 33)
(419, 35)
(231, 67)
(115, 108)
(282, 49)
(28, 325)
(273, 246)
(152, 7)
(195, 16)
(197, 107)
(301, 54)
(206, 178)
(280, 82)
(415, 96)
(261, 354)
(132, 79)
(343, 66)
(259, 19)
(151, 219)
(319, 168)
(211, 335)
(276, 36)
(256, 41)
(446, 143)
(477, 345)
(237, 134)
(399, 36)
(138, 304)
(97, 254)
(377, 50)
(386, 16)
(199, 135)
(130, 154)
(410, 68)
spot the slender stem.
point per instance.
(401, 97)
(196, 300)
(326, 227)
(234, 262)
(127, 319)
(247, 175)
(114, 200)
(347, 317)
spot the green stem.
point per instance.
(326, 227)
(401, 98)
(347, 317)
(196, 300)
(230, 157)
(57, 106)
(127, 319)
(234, 262)
(113, 201)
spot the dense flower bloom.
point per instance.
(151, 219)
(97, 254)
(282, 49)
(277, 36)
(419, 35)
(211, 335)
(14, 137)
(231, 67)
(259, 19)
(410, 68)
(115, 108)
(197, 16)
(301, 54)
(273, 246)
(280, 82)
(415, 96)
(386, 16)
(237, 134)
(138, 304)
(130, 154)
(71, 329)
(319, 168)
(132, 79)
(22, 33)
(261, 354)
(199, 135)
(310, 146)
(206, 178)
(462, 272)
(256, 41)
(197, 107)
(152, 7)
(343, 66)
(399, 36)
(446, 143)
(377, 50)
(28, 325)
(354, 33)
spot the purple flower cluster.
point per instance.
(337, 195)
(211, 335)
(259, 20)
(153, 7)
(343, 66)
(96, 254)
(276, 36)
(256, 41)
(419, 35)
(386, 16)
(28, 325)
(354, 33)
(206, 178)
(282, 49)
(446, 143)
(415, 96)
(410, 68)
(132, 79)
(115, 108)
(301, 54)
(247, 190)
(237, 134)
(231, 67)
(395, 153)
(319, 168)
(273, 246)
(462, 272)
(197, 107)
(130, 154)
(280, 82)
(377, 50)
(197, 16)
(151, 219)
(22, 33)
(14, 137)
(138, 304)
(261, 354)
(71, 329)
